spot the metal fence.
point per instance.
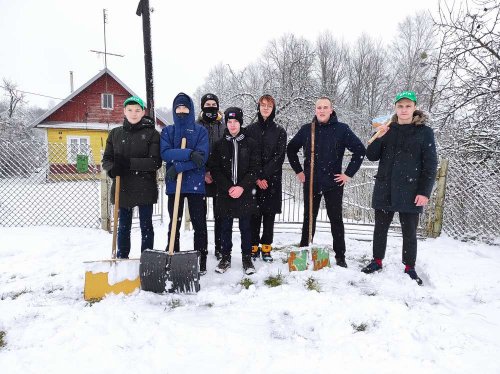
(472, 202)
(53, 184)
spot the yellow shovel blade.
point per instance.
(116, 276)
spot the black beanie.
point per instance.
(209, 96)
(234, 113)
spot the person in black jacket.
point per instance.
(211, 119)
(133, 153)
(407, 157)
(271, 140)
(234, 164)
(331, 138)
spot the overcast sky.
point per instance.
(44, 39)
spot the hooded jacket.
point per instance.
(271, 141)
(215, 131)
(140, 144)
(193, 178)
(331, 141)
(407, 165)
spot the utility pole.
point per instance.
(144, 11)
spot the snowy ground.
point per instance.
(357, 323)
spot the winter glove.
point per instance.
(121, 166)
(197, 158)
(171, 173)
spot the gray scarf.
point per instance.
(234, 160)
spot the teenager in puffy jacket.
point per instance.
(191, 162)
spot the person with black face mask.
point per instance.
(211, 119)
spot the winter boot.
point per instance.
(410, 270)
(341, 262)
(266, 252)
(248, 267)
(224, 264)
(255, 252)
(203, 264)
(373, 266)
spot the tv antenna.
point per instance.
(105, 53)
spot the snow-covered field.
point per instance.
(357, 323)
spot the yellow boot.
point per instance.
(255, 252)
(266, 252)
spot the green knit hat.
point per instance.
(134, 100)
(410, 95)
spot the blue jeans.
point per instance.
(125, 225)
(227, 233)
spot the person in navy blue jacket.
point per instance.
(331, 140)
(191, 162)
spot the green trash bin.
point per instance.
(82, 163)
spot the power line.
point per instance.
(36, 94)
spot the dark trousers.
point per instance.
(198, 214)
(409, 223)
(333, 202)
(217, 239)
(267, 221)
(125, 225)
(227, 235)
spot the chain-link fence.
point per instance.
(55, 184)
(472, 202)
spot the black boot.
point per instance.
(224, 264)
(413, 275)
(248, 267)
(203, 263)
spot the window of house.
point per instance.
(77, 145)
(107, 101)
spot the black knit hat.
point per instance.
(234, 113)
(209, 96)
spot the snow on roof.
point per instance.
(79, 125)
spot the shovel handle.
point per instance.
(173, 227)
(376, 135)
(115, 216)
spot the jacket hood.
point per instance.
(333, 119)
(269, 119)
(419, 118)
(186, 100)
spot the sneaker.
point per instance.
(218, 255)
(224, 264)
(266, 253)
(372, 267)
(341, 262)
(248, 267)
(255, 252)
(413, 275)
(203, 264)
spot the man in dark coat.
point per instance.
(407, 168)
(271, 140)
(235, 163)
(133, 153)
(211, 119)
(191, 162)
(331, 139)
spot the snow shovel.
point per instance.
(377, 122)
(170, 272)
(297, 260)
(115, 275)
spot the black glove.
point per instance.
(197, 158)
(171, 173)
(121, 166)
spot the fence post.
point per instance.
(437, 223)
(105, 219)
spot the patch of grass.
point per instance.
(16, 294)
(91, 302)
(53, 274)
(352, 283)
(359, 327)
(3, 342)
(246, 282)
(54, 289)
(175, 303)
(275, 281)
(312, 284)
